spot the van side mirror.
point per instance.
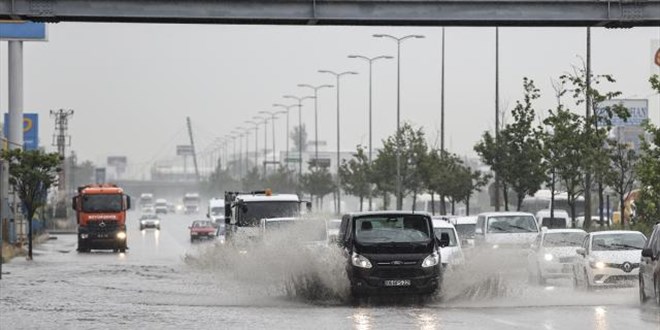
(308, 205)
(73, 202)
(581, 251)
(444, 240)
(647, 253)
(128, 202)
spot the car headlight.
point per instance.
(360, 261)
(597, 264)
(495, 246)
(157, 222)
(121, 235)
(431, 260)
(548, 257)
(142, 222)
(84, 236)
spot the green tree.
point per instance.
(595, 160)
(621, 175)
(647, 204)
(356, 175)
(318, 183)
(523, 152)
(220, 181)
(252, 180)
(281, 181)
(31, 174)
(491, 152)
(296, 135)
(564, 139)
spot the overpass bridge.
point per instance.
(609, 13)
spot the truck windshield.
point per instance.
(216, 211)
(512, 224)
(392, 229)
(101, 203)
(253, 212)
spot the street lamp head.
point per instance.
(387, 57)
(326, 71)
(378, 35)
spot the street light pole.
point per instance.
(256, 139)
(273, 115)
(398, 40)
(316, 119)
(337, 76)
(371, 61)
(287, 107)
(300, 100)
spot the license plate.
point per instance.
(397, 283)
(103, 235)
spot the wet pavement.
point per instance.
(165, 282)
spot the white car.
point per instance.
(452, 254)
(609, 258)
(497, 230)
(465, 227)
(149, 221)
(553, 254)
(560, 219)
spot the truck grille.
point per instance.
(103, 226)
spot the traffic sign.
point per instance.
(22, 31)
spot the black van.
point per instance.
(391, 252)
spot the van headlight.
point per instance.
(431, 260)
(121, 235)
(360, 261)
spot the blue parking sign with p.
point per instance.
(30, 130)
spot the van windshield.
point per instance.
(512, 224)
(392, 229)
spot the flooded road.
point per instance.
(156, 286)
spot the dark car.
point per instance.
(649, 268)
(391, 253)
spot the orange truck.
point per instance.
(101, 216)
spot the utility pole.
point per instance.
(587, 175)
(497, 112)
(61, 140)
(192, 146)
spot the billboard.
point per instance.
(20, 30)
(638, 109)
(30, 130)
(185, 150)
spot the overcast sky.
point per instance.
(132, 85)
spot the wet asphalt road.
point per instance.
(155, 286)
